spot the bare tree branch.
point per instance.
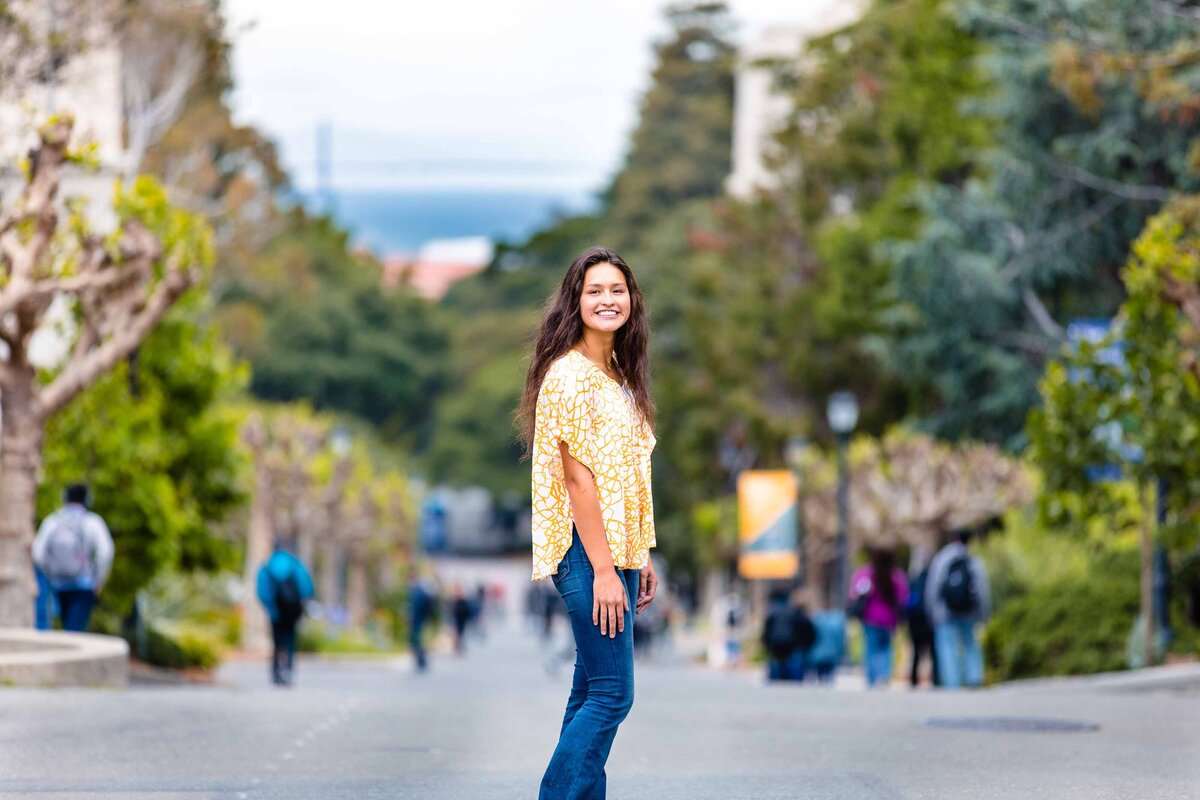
(1041, 316)
(162, 56)
(1129, 191)
(78, 375)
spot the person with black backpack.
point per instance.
(73, 549)
(958, 599)
(787, 635)
(284, 585)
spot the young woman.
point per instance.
(587, 419)
(881, 591)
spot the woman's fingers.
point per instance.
(596, 611)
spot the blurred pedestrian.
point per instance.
(878, 594)
(284, 585)
(74, 551)
(787, 636)
(422, 600)
(460, 615)
(588, 423)
(830, 646)
(479, 611)
(958, 599)
(920, 627)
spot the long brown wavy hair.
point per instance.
(562, 329)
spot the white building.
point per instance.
(759, 110)
(89, 87)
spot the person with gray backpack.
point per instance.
(74, 550)
(957, 598)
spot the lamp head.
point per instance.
(842, 412)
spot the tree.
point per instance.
(156, 440)
(680, 150)
(35, 45)
(118, 288)
(907, 490)
(162, 45)
(1140, 412)
(1094, 114)
(314, 323)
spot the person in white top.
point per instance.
(74, 550)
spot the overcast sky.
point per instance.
(450, 93)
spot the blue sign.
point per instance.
(1110, 351)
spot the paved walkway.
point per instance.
(483, 727)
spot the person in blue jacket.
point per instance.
(283, 587)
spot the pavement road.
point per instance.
(482, 727)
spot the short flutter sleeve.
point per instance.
(567, 408)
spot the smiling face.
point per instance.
(604, 305)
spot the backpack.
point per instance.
(780, 635)
(68, 551)
(958, 587)
(288, 602)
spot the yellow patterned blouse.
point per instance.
(580, 405)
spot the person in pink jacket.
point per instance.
(878, 593)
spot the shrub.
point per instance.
(181, 645)
(318, 636)
(1066, 626)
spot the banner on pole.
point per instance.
(767, 520)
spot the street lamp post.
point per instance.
(842, 414)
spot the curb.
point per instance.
(30, 658)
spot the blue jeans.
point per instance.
(46, 605)
(283, 657)
(416, 643)
(75, 607)
(790, 668)
(878, 656)
(601, 690)
(958, 653)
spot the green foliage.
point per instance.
(318, 636)
(1002, 264)
(181, 645)
(1066, 625)
(680, 150)
(185, 237)
(1151, 403)
(159, 451)
(314, 323)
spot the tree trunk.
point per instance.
(20, 463)
(255, 625)
(306, 545)
(331, 572)
(1148, 523)
(358, 601)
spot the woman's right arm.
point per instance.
(610, 601)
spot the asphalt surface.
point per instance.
(483, 727)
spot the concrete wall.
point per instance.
(54, 658)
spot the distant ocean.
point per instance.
(390, 222)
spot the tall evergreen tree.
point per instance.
(680, 149)
(1093, 134)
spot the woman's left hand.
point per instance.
(647, 586)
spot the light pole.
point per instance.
(842, 414)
